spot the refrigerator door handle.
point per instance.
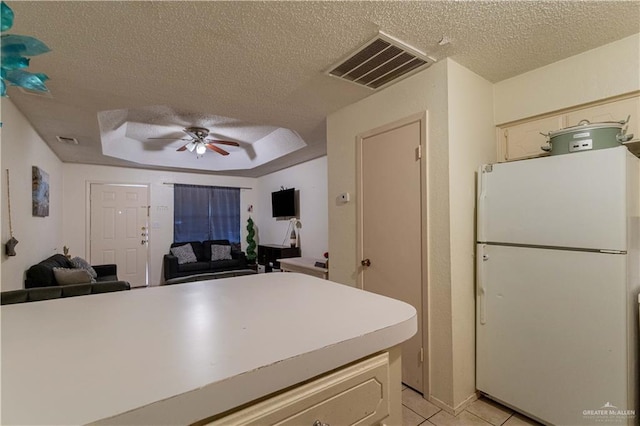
(482, 195)
(481, 286)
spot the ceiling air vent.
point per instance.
(38, 93)
(380, 62)
(70, 141)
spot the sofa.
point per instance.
(42, 274)
(202, 263)
(41, 282)
(55, 292)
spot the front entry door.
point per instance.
(119, 230)
(391, 226)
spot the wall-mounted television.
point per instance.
(283, 203)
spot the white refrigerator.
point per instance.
(558, 277)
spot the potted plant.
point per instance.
(251, 242)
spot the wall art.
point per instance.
(40, 191)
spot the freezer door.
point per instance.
(574, 200)
(552, 332)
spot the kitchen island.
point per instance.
(192, 353)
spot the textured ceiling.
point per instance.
(264, 62)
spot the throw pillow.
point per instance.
(80, 263)
(220, 252)
(184, 254)
(66, 276)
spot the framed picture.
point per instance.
(40, 191)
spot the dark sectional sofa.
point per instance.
(204, 264)
(41, 284)
(55, 292)
(41, 274)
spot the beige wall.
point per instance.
(458, 105)
(39, 237)
(471, 144)
(310, 179)
(609, 70)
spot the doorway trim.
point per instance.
(87, 221)
(422, 118)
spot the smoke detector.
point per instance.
(70, 141)
(382, 61)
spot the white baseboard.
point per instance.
(457, 409)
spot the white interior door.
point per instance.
(119, 230)
(391, 228)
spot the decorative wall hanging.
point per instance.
(40, 191)
(10, 247)
(15, 52)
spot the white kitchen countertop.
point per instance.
(178, 354)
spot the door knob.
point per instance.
(365, 262)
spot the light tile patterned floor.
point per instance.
(483, 412)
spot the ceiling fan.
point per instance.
(199, 142)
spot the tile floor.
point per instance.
(483, 412)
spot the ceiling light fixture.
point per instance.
(200, 144)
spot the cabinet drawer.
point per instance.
(355, 395)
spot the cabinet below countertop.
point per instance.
(363, 393)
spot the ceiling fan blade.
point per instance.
(216, 149)
(230, 143)
(192, 134)
(182, 148)
(171, 139)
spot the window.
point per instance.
(206, 213)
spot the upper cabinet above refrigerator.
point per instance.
(567, 201)
(522, 139)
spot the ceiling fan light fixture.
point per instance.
(200, 144)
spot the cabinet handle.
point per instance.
(319, 423)
(365, 262)
(506, 144)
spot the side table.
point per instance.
(304, 265)
(268, 255)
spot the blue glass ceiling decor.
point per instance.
(15, 61)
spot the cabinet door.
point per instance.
(355, 395)
(612, 111)
(524, 140)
